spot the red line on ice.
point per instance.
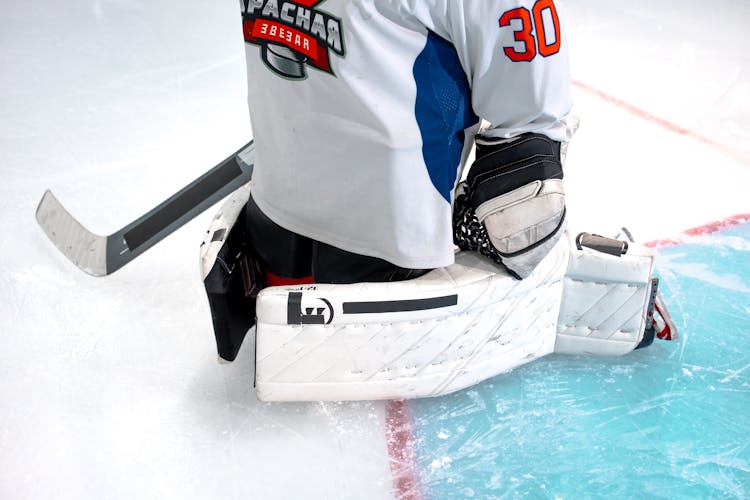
(705, 229)
(672, 127)
(400, 441)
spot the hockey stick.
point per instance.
(103, 255)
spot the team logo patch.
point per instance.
(308, 311)
(292, 35)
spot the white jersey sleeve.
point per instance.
(515, 56)
(363, 111)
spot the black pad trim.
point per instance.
(392, 306)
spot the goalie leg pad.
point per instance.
(512, 206)
(449, 329)
(433, 335)
(606, 299)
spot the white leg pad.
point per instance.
(604, 303)
(489, 324)
(450, 329)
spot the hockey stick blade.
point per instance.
(102, 255)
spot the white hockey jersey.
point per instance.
(363, 111)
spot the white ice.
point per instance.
(110, 388)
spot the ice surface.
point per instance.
(109, 388)
(669, 421)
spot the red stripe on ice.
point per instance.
(705, 229)
(672, 127)
(400, 440)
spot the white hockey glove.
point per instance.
(511, 208)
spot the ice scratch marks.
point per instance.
(170, 77)
(734, 374)
(722, 374)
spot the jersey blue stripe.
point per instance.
(443, 110)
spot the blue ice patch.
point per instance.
(667, 421)
(443, 111)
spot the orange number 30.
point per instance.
(529, 23)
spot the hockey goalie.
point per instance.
(447, 329)
(341, 251)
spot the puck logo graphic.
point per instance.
(292, 35)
